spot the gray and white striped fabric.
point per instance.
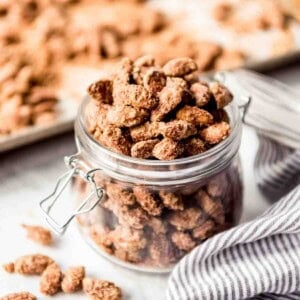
(276, 168)
(256, 260)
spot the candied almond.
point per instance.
(194, 146)
(134, 95)
(101, 91)
(171, 200)
(50, 280)
(136, 218)
(34, 264)
(201, 93)
(9, 267)
(161, 250)
(221, 94)
(186, 219)
(179, 67)
(167, 149)
(169, 99)
(121, 194)
(215, 133)
(183, 241)
(194, 115)
(123, 71)
(128, 239)
(101, 289)
(154, 80)
(72, 280)
(143, 149)
(126, 116)
(114, 138)
(178, 129)
(205, 230)
(19, 296)
(146, 131)
(39, 234)
(148, 201)
(211, 207)
(133, 217)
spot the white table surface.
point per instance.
(29, 173)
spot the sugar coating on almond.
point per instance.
(39, 234)
(50, 282)
(34, 264)
(215, 133)
(179, 67)
(168, 149)
(72, 280)
(101, 289)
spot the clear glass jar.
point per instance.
(152, 212)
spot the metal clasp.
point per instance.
(76, 167)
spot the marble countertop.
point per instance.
(29, 173)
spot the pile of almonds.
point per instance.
(147, 111)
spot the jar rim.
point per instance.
(86, 143)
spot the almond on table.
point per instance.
(72, 279)
(101, 289)
(19, 296)
(33, 264)
(39, 234)
(51, 280)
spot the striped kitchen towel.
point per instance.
(259, 259)
(276, 168)
(256, 260)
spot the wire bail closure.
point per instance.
(76, 167)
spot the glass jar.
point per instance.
(147, 214)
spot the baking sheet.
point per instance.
(72, 89)
(75, 79)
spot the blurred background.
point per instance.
(52, 49)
